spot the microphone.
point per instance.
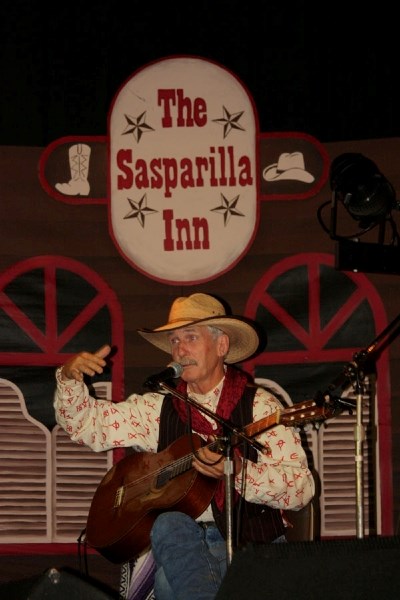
(172, 371)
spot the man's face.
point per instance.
(199, 351)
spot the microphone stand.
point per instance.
(231, 437)
(354, 371)
(229, 486)
(359, 437)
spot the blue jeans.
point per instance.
(190, 559)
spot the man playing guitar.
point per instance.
(185, 525)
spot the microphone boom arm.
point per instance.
(352, 371)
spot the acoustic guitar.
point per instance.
(144, 484)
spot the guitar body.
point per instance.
(140, 487)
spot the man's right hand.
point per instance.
(85, 363)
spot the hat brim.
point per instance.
(271, 173)
(243, 338)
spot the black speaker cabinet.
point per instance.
(356, 569)
(62, 585)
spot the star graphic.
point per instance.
(230, 121)
(139, 210)
(228, 208)
(137, 126)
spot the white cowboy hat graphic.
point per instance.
(289, 166)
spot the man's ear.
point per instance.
(223, 345)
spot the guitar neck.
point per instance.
(294, 416)
(257, 427)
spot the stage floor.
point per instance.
(19, 573)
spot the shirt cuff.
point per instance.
(63, 381)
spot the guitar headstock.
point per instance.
(303, 413)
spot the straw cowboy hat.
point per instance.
(202, 309)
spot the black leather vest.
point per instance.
(252, 523)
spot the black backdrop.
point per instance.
(330, 73)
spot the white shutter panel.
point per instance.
(25, 472)
(333, 450)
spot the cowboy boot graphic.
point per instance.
(78, 185)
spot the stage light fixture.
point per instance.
(368, 198)
(360, 186)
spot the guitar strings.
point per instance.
(177, 467)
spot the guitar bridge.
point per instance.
(119, 497)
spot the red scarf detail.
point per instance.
(232, 390)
